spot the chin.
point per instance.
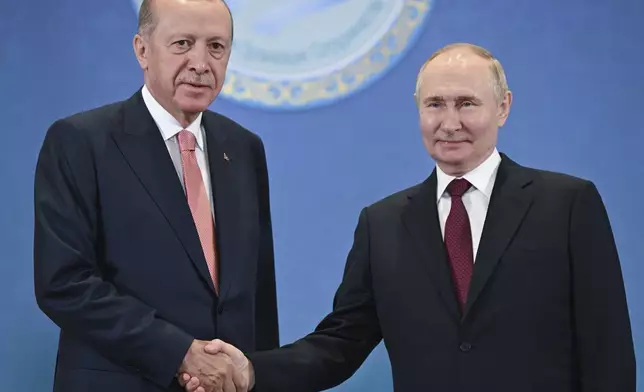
(194, 105)
(193, 108)
(453, 158)
(456, 151)
(194, 99)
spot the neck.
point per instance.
(184, 119)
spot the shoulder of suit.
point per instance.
(554, 180)
(102, 117)
(85, 126)
(395, 200)
(547, 180)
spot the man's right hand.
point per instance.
(243, 374)
(216, 372)
(243, 367)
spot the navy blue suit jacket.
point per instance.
(117, 261)
(546, 309)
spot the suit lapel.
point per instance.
(511, 199)
(227, 201)
(421, 219)
(144, 149)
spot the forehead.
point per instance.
(198, 18)
(457, 73)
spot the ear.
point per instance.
(141, 50)
(504, 108)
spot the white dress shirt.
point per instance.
(476, 199)
(169, 128)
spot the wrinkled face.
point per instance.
(185, 57)
(459, 112)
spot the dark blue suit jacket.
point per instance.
(117, 261)
(546, 310)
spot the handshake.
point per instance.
(215, 366)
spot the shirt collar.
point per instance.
(481, 177)
(168, 125)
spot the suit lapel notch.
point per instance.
(510, 202)
(145, 151)
(421, 220)
(226, 200)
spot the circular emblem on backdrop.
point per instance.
(297, 54)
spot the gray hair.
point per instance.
(499, 81)
(148, 21)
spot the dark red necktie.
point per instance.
(458, 240)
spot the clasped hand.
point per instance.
(215, 366)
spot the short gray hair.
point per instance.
(499, 81)
(148, 21)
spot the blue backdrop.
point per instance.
(575, 68)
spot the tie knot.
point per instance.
(187, 141)
(458, 187)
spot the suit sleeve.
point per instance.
(69, 285)
(606, 356)
(266, 315)
(341, 341)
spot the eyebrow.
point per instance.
(176, 36)
(460, 98)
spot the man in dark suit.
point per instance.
(487, 277)
(152, 221)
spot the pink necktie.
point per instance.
(198, 201)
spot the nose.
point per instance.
(198, 60)
(451, 120)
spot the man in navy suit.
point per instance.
(486, 277)
(152, 220)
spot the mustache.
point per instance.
(200, 81)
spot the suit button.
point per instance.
(465, 347)
(220, 309)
